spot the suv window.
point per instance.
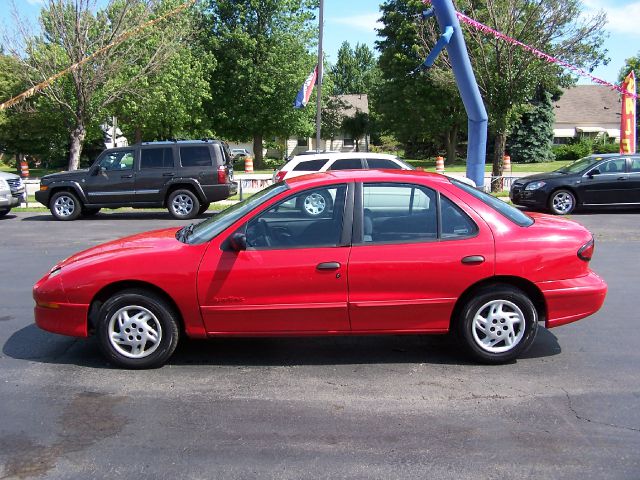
(399, 213)
(383, 163)
(347, 164)
(119, 160)
(156, 158)
(309, 166)
(195, 157)
(286, 226)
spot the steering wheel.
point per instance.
(265, 230)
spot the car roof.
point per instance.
(341, 155)
(395, 176)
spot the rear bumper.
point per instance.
(573, 299)
(213, 193)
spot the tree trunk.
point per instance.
(76, 138)
(258, 160)
(138, 135)
(452, 144)
(357, 144)
(498, 153)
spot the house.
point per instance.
(587, 111)
(342, 142)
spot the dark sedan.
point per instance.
(594, 181)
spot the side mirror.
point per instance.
(238, 241)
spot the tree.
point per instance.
(532, 138)
(332, 118)
(632, 63)
(355, 70)
(421, 111)
(262, 48)
(357, 126)
(74, 29)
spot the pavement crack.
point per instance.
(590, 420)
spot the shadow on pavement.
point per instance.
(33, 344)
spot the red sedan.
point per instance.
(340, 253)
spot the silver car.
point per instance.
(11, 192)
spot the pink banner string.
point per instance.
(544, 56)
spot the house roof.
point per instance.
(354, 102)
(588, 104)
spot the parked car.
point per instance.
(445, 257)
(183, 176)
(611, 180)
(237, 153)
(11, 192)
(312, 162)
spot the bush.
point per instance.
(573, 151)
(606, 148)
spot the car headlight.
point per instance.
(535, 185)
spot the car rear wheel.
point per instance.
(316, 204)
(498, 324)
(137, 329)
(65, 206)
(183, 204)
(562, 202)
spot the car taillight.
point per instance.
(222, 174)
(280, 176)
(586, 251)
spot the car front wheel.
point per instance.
(183, 204)
(65, 206)
(498, 324)
(137, 329)
(562, 202)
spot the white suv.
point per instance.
(11, 192)
(322, 162)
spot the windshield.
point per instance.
(512, 213)
(580, 165)
(211, 227)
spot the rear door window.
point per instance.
(156, 158)
(347, 164)
(195, 156)
(383, 163)
(309, 166)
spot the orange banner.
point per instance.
(628, 121)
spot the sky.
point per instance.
(356, 21)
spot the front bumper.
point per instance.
(573, 299)
(54, 313)
(8, 201)
(42, 196)
(528, 198)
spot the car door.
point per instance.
(156, 168)
(113, 179)
(610, 184)
(414, 253)
(292, 276)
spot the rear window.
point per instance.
(195, 157)
(156, 158)
(309, 166)
(382, 163)
(512, 213)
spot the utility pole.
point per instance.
(320, 75)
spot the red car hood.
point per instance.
(157, 239)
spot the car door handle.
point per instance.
(623, 178)
(328, 266)
(126, 176)
(170, 174)
(473, 259)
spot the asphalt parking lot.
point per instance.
(361, 407)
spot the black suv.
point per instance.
(183, 176)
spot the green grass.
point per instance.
(461, 167)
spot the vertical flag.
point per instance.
(628, 121)
(307, 87)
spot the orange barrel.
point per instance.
(439, 164)
(248, 165)
(506, 163)
(24, 169)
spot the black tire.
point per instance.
(316, 204)
(65, 206)
(203, 208)
(562, 202)
(90, 212)
(4, 212)
(157, 316)
(498, 326)
(183, 204)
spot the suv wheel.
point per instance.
(65, 206)
(183, 204)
